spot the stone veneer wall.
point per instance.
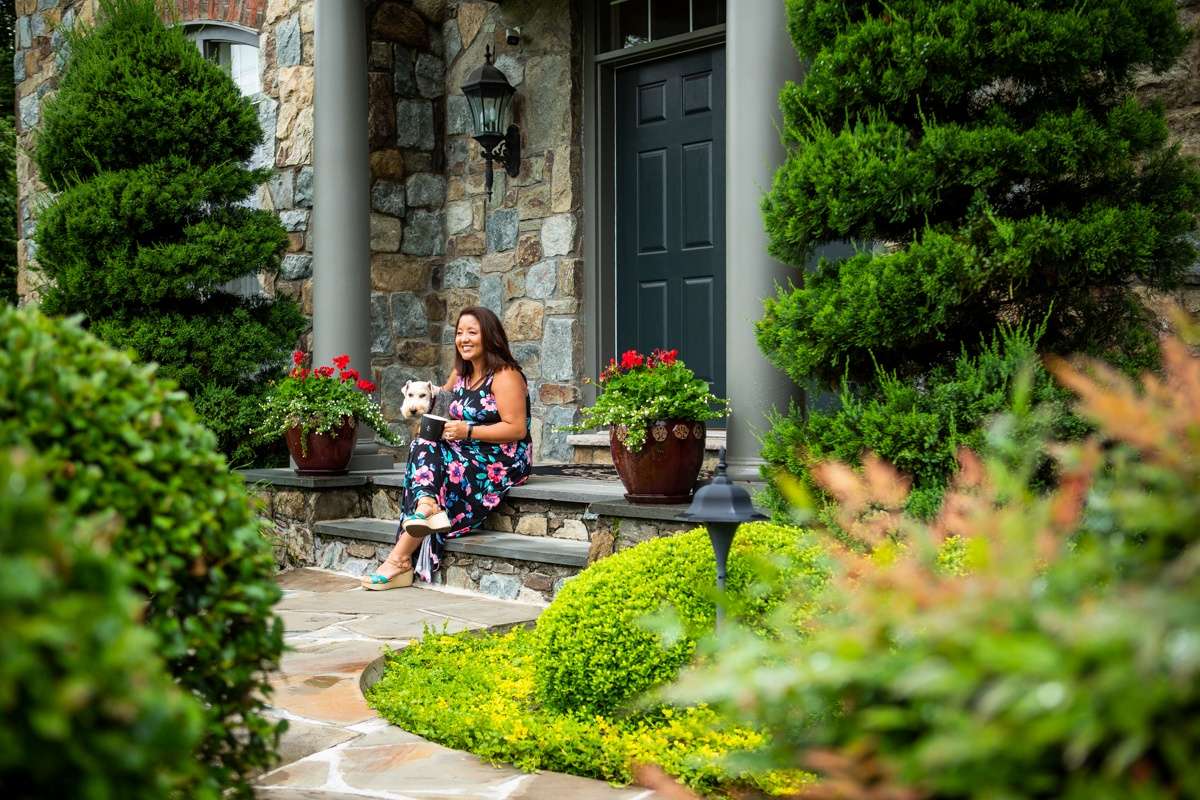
(438, 245)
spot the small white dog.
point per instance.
(420, 397)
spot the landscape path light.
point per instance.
(490, 95)
(722, 506)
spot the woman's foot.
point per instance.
(393, 573)
(427, 519)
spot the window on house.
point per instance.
(236, 52)
(233, 50)
(626, 23)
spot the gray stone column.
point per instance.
(341, 199)
(759, 59)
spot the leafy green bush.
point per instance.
(919, 429)
(593, 652)
(86, 709)
(1051, 651)
(144, 144)
(115, 439)
(992, 168)
(447, 688)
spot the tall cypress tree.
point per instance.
(991, 165)
(145, 145)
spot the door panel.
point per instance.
(670, 209)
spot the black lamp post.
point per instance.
(489, 94)
(722, 506)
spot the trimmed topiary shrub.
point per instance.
(144, 144)
(992, 167)
(86, 708)
(593, 652)
(114, 439)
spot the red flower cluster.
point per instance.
(632, 359)
(343, 369)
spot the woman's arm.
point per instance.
(451, 380)
(509, 387)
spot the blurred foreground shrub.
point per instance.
(86, 708)
(1059, 658)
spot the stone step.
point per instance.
(540, 549)
(593, 448)
(510, 566)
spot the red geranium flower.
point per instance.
(349, 375)
(324, 372)
(342, 361)
(366, 385)
(298, 357)
(631, 359)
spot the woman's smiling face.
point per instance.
(468, 338)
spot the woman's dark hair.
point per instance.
(496, 354)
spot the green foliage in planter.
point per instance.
(86, 708)
(1063, 662)
(919, 429)
(643, 389)
(144, 144)
(593, 652)
(476, 693)
(115, 439)
(991, 167)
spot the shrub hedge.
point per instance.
(113, 438)
(593, 651)
(144, 144)
(919, 429)
(86, 708)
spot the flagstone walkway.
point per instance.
(336, 747)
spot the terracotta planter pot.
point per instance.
(328, 453)
(665, 469)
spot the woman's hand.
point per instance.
(455, 431)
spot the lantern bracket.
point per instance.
(505, 151)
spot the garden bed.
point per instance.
(477, 693)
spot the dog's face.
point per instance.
(418, 398)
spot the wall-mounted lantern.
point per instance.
(490, 96)
(722, 506)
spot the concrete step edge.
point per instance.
(516, 546)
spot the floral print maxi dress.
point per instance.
(466, 478)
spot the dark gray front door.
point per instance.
(670, 209)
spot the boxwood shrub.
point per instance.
(594, 652)
(115, 439)
(86, 708)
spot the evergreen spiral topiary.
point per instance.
(114, 439)
(144, 144)
(594, 653)
(991, 165)
(86, 708)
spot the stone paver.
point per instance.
(336, 747)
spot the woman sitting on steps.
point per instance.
(452, 484)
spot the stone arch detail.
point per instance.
(247, 13)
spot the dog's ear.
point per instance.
(404, 389)
(434, 389)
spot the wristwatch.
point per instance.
(470, 428)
